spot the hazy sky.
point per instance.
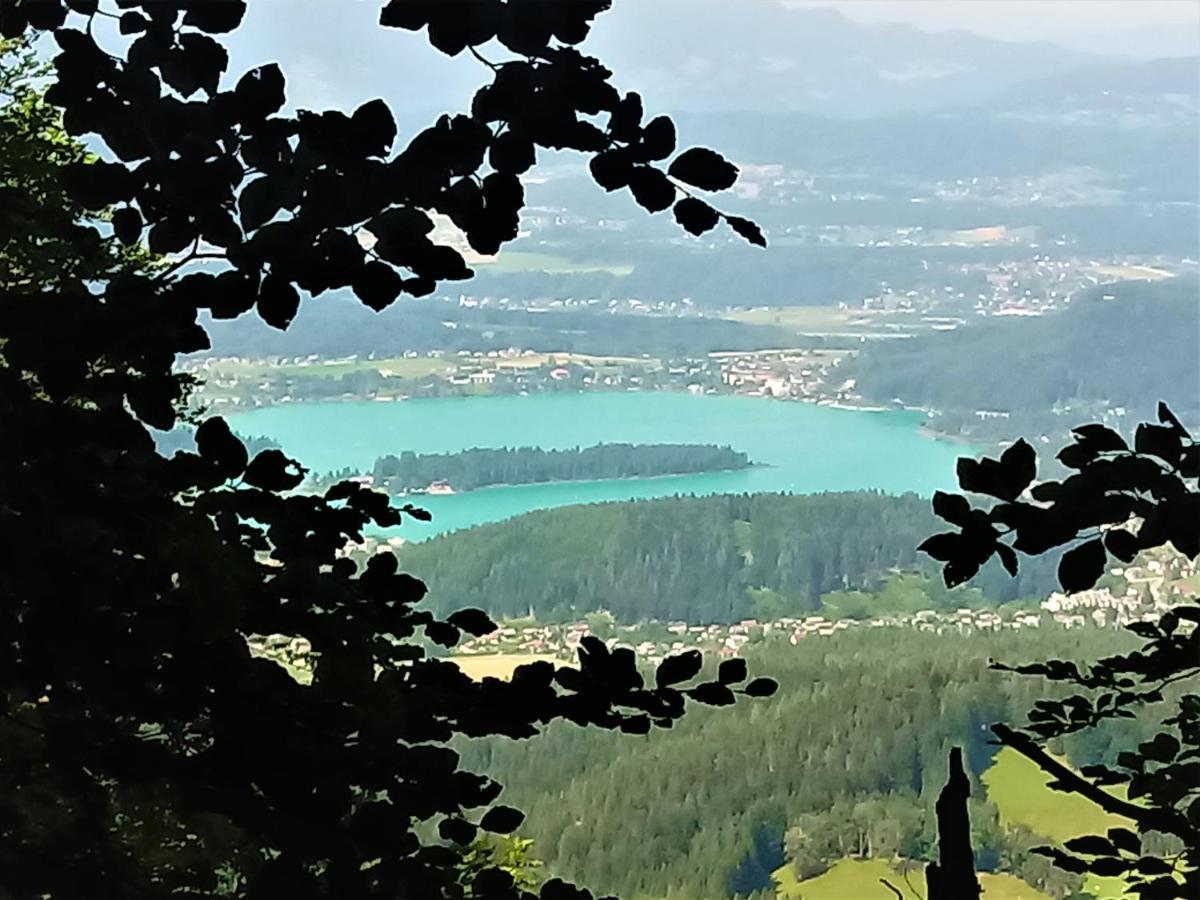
(1055, 20)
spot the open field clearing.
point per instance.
(1018, 788)
(1133, 273)
(404, 367)
(857, 879)
(496, 665)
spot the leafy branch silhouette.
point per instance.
(144, 752)
(1120, 501)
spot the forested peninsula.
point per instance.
(480, 467)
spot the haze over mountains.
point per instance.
(685, 55)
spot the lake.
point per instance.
(803, 448)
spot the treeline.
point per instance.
(851, 753)
(479, 467)
(700, 559)
(1129, 351)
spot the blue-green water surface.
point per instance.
(803, 448)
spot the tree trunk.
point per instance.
(952, 877)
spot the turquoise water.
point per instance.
(803, 448)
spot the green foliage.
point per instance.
(1079, 357)
(699, 559)
(47, 236)
(143, 751)
(479, 467)
(853, 746)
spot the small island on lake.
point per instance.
(479, 467)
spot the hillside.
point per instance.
(703, 560)
(702, 810)
(1129, 351)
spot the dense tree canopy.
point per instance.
(702, 560)
(483, 466)
(143, 751)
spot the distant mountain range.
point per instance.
(683, 56)
(706, 55)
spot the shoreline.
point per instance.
(488, 487)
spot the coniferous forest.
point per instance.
(483, 466)
(699, 559)
(851, 752)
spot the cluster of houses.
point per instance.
(1136, 593)
(654, 641)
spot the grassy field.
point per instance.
(413, 367)
(1018, 788)
(496, 665)
(1130, 273)
(526, 261)
(858, 879)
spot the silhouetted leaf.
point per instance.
(502, 820)
(377, 285)
(260, 200)
(703, 168)
(1161, 441)
(658, 139)
(127, 225)
(696, 216)
(651, 188)
(1020, 466)
(942, 547)
(132, 23)
(1100, 438)
(1081, 567)
(1121, 544)
(954, 508)
(258, 93)
(1108, 866)
(219, 446)
(278, 302)
(473, 621)
(746, 229)
(732, 671)
(1124, 839)
(171, 235)
(457, 830)
(1163, 747)
(712, 694)
(1091, 845)
(421, 515)
(678, 668)
(372, 128)
(272, 471)
(761, 687)
(215, 16)
(512, 153)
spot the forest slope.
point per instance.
(699, 559)
(1079, 357)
